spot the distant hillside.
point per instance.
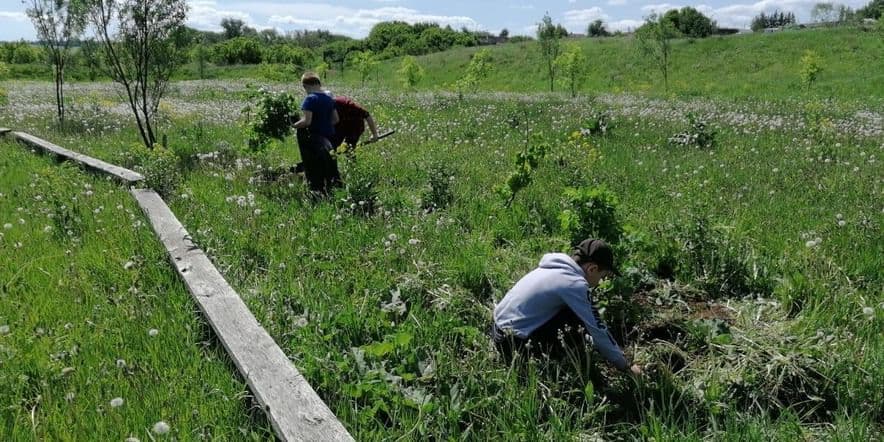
(748, 65)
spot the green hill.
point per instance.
(750, 65)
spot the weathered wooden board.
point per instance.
(4, 131)
(118, 172)
(292, 406)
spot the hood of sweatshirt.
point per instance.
(561, 262)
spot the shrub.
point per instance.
(721, 264)
(437, 194)
(699, 134)
(590, 212)
(160, 168)
(811, 66)
(526, 162)
(271, 117)
(599, 123)
(410, 72)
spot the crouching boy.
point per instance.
(552, 306)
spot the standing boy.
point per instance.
(315, 129)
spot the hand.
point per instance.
(636, 370)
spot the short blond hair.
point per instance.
(310, 79)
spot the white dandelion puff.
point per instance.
(116, 402)
(153, 332)
(161, 427)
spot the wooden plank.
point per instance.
(4, 131)
(292, 406)
(118, 172)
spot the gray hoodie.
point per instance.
(558, 282)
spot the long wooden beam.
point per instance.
(121, 173)
(292, 406)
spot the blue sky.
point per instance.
(355, 18)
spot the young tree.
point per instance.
(655, 41)
(479, 68)
(549, 36)
(141, 51)
(811, 66)
(201, 54)
(58, 23)
(597, 29)
(572, 64)
(365, 63)
(410, 72)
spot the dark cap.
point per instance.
(598, 252)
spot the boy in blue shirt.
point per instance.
(551, 307)
(315, 128)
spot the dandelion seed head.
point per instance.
(153, 332)
(869, 311)
(161, 427)
(116, 402)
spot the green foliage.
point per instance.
(811, 67)
(160, 167)
(590, 212)
(549, 38)
(597, 29)
(874, 9)
(296, 57)
(527, 162)
(598, 123)
(270, 117)
(478, 70)
(654, 40)
(437, 193)
(20, 52)
(722, 264)
(321, 69)
(775, 19)
(410, 72)
(240, 50)
(360, 187)
(690, 22)
(4, 70)
(699, 134)
(4, 97)
(573, 66)
(365, 62)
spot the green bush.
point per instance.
(590, 213)
(699, 134)
(271, 117)
(437, 194)
(160, 167)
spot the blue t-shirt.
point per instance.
(322, 106)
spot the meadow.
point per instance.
(752, 290)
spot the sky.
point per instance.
(355, 18)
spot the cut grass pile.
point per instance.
(98, 338)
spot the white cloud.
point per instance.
(659, 8)
(626, 25)
(576, 20)
(616, 2)
(205, 15)
(13, 16)
(358, 22)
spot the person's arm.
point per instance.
(372, 127)
(601, 338)
(305, 120)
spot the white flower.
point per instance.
(128, 265)
(841, 223)
(161, 427)
(257, 212)
(392, 237)
(116, 402)
(121, 363)
(414, 241)
(868, 311)
(153, 332)
(7, 226)
(810, 244)
(70, 396)
(4, 329)
(132, 439)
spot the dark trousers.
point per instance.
(320, 168)
(557, 338)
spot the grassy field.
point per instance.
(767, 326)
(98, 339)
